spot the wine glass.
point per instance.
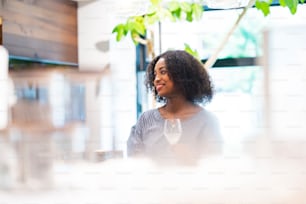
(173, 130)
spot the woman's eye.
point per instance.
(163, 72)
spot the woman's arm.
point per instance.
(135, 145)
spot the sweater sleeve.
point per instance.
(135, 144)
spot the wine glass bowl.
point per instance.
(173, 130)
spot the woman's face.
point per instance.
(162, 82)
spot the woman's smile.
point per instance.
(159, 87)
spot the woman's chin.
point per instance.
(161, 94)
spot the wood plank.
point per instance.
(38, 55)
(26, 20)
(17, 41)
(56, 35)
(40, 49)
(40, 29)
(40, 12)
(64, 7)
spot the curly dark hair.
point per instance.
(186, 72)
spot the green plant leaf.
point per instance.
(191, 51)
(164, 13)
(263, 6)
(186, 7)
(151, 19)
(189, 17)
(140, 28)
(137, 24)
(129, 24)
(282, 3)
(120, 30)
(292, 5)
(197, 10)
(176, 14)
(155, 2)
(173, 6)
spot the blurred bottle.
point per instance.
(8, 163)
(1, 41)
(4, 57)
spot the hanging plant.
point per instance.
(138, 27)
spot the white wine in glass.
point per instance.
(173, 130)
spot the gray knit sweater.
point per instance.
(201, 135)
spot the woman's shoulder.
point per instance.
(209, 113)
(150, 113)
(150, 116)
(205, 113)
(207, 116)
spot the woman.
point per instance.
(180, 82)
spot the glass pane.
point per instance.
(207, 34)
(238, 104)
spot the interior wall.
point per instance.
(111, 118)
(285, 69)
(40, 30)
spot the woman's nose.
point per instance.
(157, 78)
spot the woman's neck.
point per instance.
(178, 108)
(175, 105)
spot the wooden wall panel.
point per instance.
(40, 29)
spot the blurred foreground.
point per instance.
(216, 180)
